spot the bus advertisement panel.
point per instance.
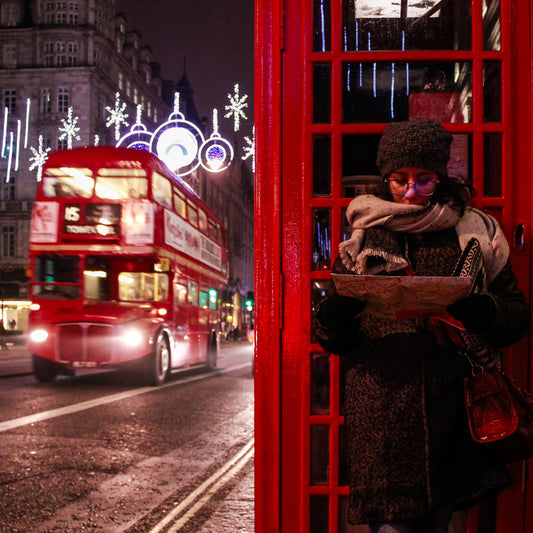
(127, 267)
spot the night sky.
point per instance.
(215, 41)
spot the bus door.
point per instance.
(330, 76)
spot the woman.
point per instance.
(412, 460)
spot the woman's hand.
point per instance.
(476, 311)
(338, 311)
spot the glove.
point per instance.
(338, 311)
(476, 311)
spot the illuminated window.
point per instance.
(192, 296)
(180, 292)
(162, 190)
(203, 299)
(179, 203)
(213, 299)
(192, 214)
(202, 221)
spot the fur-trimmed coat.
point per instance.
(407, 439)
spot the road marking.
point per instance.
(82, 406)
(202, 494)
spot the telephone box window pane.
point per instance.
(321, 165)
(319, 384)
(321, 26)
(360, 174)
(344, 476)
(346, 228)
(321, 259)
(460, 163)
(389, 91)
(406, 25)
(318, 293)
(491, 25)
(318, 514)
(492, 91)
(492, 164)
(319, 474)
(322, 93)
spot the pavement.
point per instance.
(234, 513)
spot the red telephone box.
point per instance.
(330, 75)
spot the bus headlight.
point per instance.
(39, 335)
(132, 337)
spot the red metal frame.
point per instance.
(284, 203)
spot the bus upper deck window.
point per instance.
(179, 203)
(213, 231)
(68, 182)
(121, 184)
(162, 190)
(202, 221)
(192, 214)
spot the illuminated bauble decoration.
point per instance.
(216, 154)
(138, 137)
(176, 142)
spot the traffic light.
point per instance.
(249, 302)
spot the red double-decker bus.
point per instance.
(128, 265)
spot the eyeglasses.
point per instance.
(399, 187)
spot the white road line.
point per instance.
(82, 406)
(208, 488)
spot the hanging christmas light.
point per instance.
(138, 137)
(117, 117)
(236, 106)
(39, 158)
(216, 153)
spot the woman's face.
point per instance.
(412, 185)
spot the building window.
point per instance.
(8, 241)
(72, 54)
(10, 13)
(46, 101)
(73, 19)
(10, 100)
(135, 96)
(121, 81)
(10, 56)
(7, 190)
(63, 99)
(62, 144)
(128, 88)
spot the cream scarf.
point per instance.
(367, 211)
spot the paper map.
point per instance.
(400, 297)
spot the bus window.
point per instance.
(203, 299)
(180, 292)
(179, 204)
(121, 188)
(192, 214)
(68, 182)
(192, 296)
(142, 286)
(57, 269)
(95, 280)
(202, 220)
(162, 190)
(213, 231)
(213, 299)
(161, 287)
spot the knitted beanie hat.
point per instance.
(419, 143)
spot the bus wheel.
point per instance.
(159, 361)
(45, 370)
(212, 352)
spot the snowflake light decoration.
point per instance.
(249, 150)
(39, 158)
(236, 106)
(69, 129)
(117, 116)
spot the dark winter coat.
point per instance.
(408, 443)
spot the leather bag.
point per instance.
(500, 414)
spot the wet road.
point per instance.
(93, 453)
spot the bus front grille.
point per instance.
(85, 342)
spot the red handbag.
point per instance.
(499, 413)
